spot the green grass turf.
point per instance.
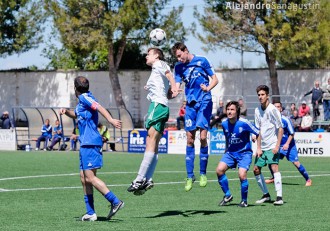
(44, 193)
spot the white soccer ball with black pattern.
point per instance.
(157, 37)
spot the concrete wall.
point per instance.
(55, 89)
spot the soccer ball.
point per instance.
(157, 37)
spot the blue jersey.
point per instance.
(194, 73)
(287, 131)
(87, 114)
(58, 128)
(46, 131)
(238, 135)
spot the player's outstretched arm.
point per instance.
(69, 113)
(116, 123)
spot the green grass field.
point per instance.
(42, 191)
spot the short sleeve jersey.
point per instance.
(288, 130)
(193, 74)
(158, 83)
(87, 115)
(238, 135)
(268, 121)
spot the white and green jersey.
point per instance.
(268, 121)
(158, 84)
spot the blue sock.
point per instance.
(244, 189)
(190, 159)
(303, 172)
(111, 197)
(223, 182)
(89, 202)
(203, 160)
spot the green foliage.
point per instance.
(21, 24)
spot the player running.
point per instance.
(238, 152)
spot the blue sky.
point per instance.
(218, 58)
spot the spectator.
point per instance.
(182, 113)
(243, 109)
(74, 137)
(105, 134)
(296, 121)
(292, 109)
(303, 109)
(57, 135)
(317, 93)
(46, 134)
(219, 115)
(326, 102)
(306, 123)
(7, 122)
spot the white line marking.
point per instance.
(125, 185)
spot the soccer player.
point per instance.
(288, 148)
(195, 71)
(158, 113)
(238, 152)
(90, 153)
(268, 121)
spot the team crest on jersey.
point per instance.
(199, 63)
(240, 129)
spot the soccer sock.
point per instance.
(190, 159)
(244, 189)
(203, 160)
(111, 197)
(261, 183)
(223, 182)
(73, 144)
(278, 183)
(145, 165)
(89, 202)
(303, 172)
(152, 167)
(271, 170)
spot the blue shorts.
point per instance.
(291, 154)
(242, 160)
(90, 157)
(198, 115)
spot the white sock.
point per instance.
(152, 167)
(262, 184)
(278, 183)
(145, 165)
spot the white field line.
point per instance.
(125, 185)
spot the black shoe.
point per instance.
(243, 204)
(226, 200)
(135, 186)
(114, 209)
(279, 201)
(49, 149)
(264, 198)
(144, 187)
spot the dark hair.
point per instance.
(235, 103)
(263, 88)
(178, 46)
(81, 84)
(157, 51)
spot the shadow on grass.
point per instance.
(100, 219)
(290, 183)
(186, 213)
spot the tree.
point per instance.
(274, 28)
(94, 26)
(21, 24)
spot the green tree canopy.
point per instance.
(292, 32)
(21, 24)
(96, 26)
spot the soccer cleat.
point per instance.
(114, 209)
(243, 204)
(88, 217)
(135, 186)
(264, 198)
(308, 183)
(145, 187)
(189, 183)
(226, 200)
(37, 149)
(278, 201)
(203, 180)
(269, 181)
